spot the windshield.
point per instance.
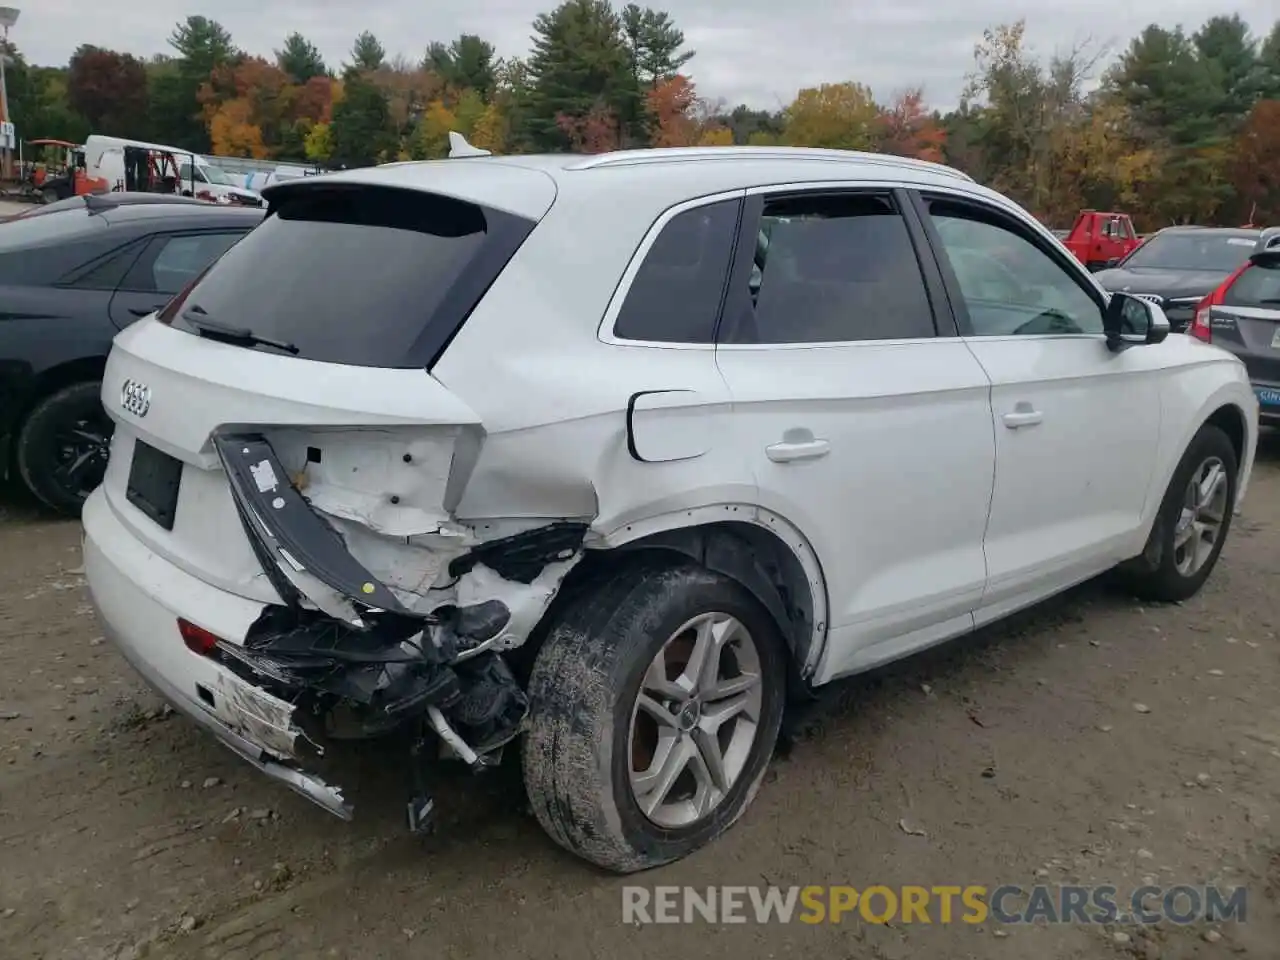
(216, 175)
(1192, 251)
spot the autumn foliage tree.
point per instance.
(596, 131)
(1183, 127)
(1256, 172)
(109, 90)
(906, 129)
(836, 115)
(670, 105)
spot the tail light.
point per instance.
(198, 639)
(1201, 327)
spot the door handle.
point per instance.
(1022, 418)
(790, 450)
(144, 311)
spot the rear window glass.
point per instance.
(1258, 286)
(675, 296)
(366, 276)
(51, 227)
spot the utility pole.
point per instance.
(8, 136)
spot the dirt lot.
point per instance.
(1019, 754)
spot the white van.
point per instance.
(104, 162)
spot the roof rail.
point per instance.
(667, 154)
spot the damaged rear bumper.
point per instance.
(135, 593)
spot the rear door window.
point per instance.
(358, 275)
(833, 268)
(171, 262)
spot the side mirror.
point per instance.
(1130, 320)
(1113, 262)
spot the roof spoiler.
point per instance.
(458, 147)
(1268, 246)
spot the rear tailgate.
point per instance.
(1247, 323)
(354, 438)
(310, 341)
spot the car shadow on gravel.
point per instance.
(19, 507)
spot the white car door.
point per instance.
(866, 419)
(1076, 423)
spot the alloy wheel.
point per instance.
(79, 454)
(695, 720)
(1204, 509)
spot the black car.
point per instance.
(1178, 266)
(70, 279)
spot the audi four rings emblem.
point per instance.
(135, 397)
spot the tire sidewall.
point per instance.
(657, 844)
(1208, 442)
(34, 449)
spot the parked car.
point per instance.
(1243, 316)
(72, 275)
(619, 455)
(1177, 266)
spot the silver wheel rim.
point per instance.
(695, 720)
(1204, 508)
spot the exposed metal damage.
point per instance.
(352, 653)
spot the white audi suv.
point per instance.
(610, 459)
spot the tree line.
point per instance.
(1181, 127)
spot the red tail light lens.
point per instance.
(1200, 327)
(198, 639)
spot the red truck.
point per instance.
(1099, 239)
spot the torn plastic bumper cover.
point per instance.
(343, 652)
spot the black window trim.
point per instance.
(944, 324)
(608, 322)
(151, 251)
(920, 197)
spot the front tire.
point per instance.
(1192, 524)
(62, 445)
(655, 706)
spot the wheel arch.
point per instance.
(753, 546)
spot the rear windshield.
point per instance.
(49, 227)
(1258, 286)
(365, 276)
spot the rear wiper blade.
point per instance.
(197, 317)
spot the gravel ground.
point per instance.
(1091, 740)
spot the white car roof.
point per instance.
(528, 184)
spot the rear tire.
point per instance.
(590, 728)
(1192, 524)
(61, 450)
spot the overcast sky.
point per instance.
(754, 51)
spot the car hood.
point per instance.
(1165, 283)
